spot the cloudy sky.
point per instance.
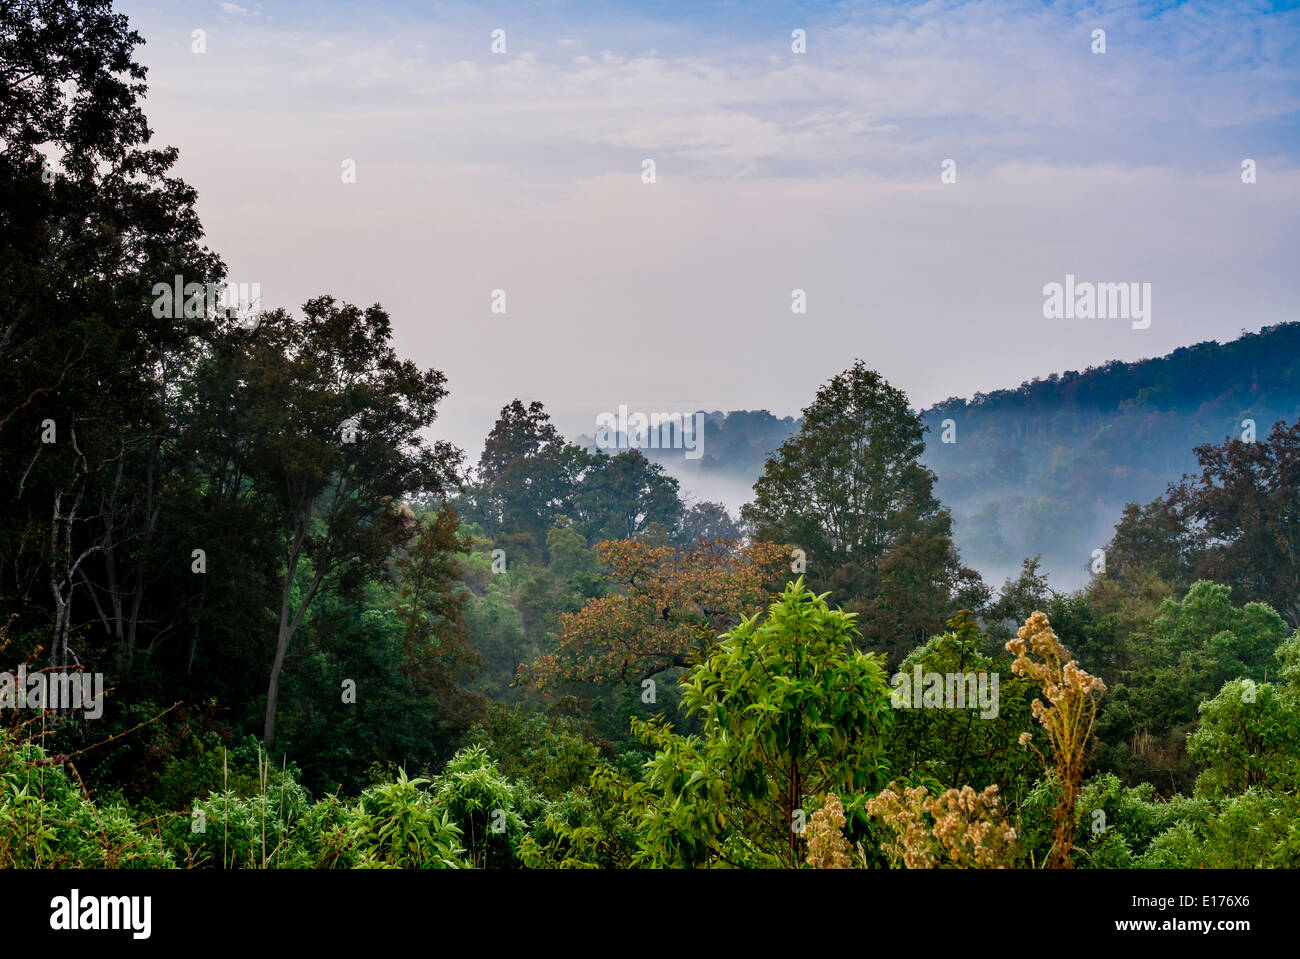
(774, 171)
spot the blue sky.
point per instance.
(774, 171)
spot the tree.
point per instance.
(1151, 538)
(624, 495)
(1244, 510)
(593, 826)
(520, 433)
(665, 606)
(91, 220)
(349, 697)
(705, 522)
(332, 420)
(1126, 609)
(1249, 735)
(918, 584)
(790, 710)
(1020, 597)
(437, 654)
(570, 558)
(1188, 652)
(527, 475)
(849, 484)
(1090, 633)
(958, 747)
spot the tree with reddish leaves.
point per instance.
(665, 608)
(1244, 512)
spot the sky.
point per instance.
(523, 171)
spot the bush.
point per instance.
(47, 822)
(489, 809)
(399, 826)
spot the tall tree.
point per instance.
(90, 220)
(519, 433)
(849, 484)
(1151, 538)
(332, 421)
(790, 711)
(437, 655)
(527, 475)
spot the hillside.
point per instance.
(1046, 467)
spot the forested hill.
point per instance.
(1046, 468)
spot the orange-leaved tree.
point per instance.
(665, 606)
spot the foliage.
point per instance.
(1182, 657)
(849, 484)
(956, 747)
(1248, 831)
(1242, 512)
(240, 519)
(436, 652)
(1116, 824)
(706, 522)
(487, 809)
(549, 753)
(1248, 736)
(47, 821)
(398, 825)
(590, 827)
(664, 607)
(790, 710)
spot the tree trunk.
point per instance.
(287, 629)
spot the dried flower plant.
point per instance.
(960, 828)
(1068, 717)
(827, 847)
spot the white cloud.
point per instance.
(821, 171)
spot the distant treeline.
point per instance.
(1047, 467)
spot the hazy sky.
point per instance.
(775, 170)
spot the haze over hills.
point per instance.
(1046, 468)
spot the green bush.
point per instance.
(489, 809)
(399, 826)
(47, 822)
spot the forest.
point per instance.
(321, 638)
